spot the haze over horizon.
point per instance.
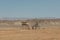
(29, 8)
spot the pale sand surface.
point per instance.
(42, 34)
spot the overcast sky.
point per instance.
(29, 8)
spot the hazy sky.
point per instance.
(29, 8)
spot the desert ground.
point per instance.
(11, 30)
(41, 34)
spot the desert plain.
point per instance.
(44, 33)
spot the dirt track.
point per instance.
(42, 34)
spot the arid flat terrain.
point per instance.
(46, 29)
(42, 34)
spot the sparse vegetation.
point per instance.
(48, 29)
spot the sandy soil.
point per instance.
(42, 34)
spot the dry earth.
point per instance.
(11, 30)
(42, 34)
